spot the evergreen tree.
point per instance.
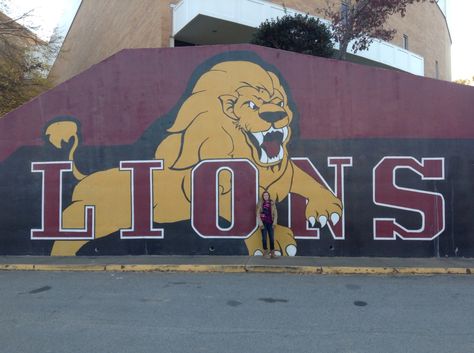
(298, 33)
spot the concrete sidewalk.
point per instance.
(301, 265)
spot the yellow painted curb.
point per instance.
(47, 267)
(176, 268)
(284, 269)
(17, 267)
(69, 267)
(328, 270)
(124, 268)
(397, 270)
(346, 270)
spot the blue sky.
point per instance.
(48, 14)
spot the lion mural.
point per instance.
(236, 109)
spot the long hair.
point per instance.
(260, 201)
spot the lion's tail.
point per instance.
(77, 174)
(64, 131)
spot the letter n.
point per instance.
(297, 204)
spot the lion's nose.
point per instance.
(272, 117)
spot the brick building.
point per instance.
(101, 28)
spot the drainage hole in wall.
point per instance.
(360, 303)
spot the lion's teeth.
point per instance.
(285, 133)
(273, 159)
(264, 157)
(280, 154)
(259, 136)
(283, 130)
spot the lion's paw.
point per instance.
(324, 210)
(285, 241)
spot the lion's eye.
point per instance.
(252, 105)
(282, 104)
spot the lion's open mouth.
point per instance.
(269, 144)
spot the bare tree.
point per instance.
(24, 61)
(363, 20)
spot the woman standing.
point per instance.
(267, 220)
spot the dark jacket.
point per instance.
(274, 212)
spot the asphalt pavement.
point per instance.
(148, 312)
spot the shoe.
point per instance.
(272, 254)
(266, 254)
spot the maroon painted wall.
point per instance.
(350, 100)
(341, 110)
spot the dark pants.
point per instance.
(268, 228)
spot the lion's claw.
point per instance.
(291, 250)
(322, 221)
(335, 218)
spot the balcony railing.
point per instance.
(253, 12)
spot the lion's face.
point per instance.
(260, 110)
(251, 106)
(265, 119)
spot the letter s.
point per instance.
(430, 205)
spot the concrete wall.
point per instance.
(166, 151)
(101, 28)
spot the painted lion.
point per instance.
(236, 109)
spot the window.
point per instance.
(405, 42)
